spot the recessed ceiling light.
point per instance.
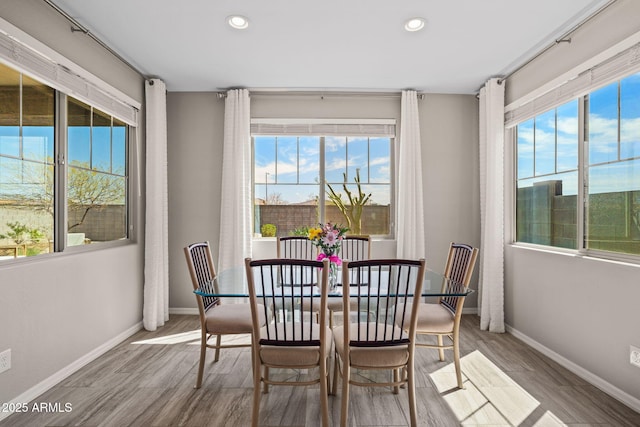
(238, 22)
(414, 24)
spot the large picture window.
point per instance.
(612, 190)
(96, 174)
(547, 178)
(294, 177)
(27, 123)
(63, 170)
(588, 201)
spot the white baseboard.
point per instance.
(470, 310)
(183, 310)
(592, 379)
(65, 372)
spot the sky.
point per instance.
(100, 154)
(290, 166)
(23, 172)
(608, 170)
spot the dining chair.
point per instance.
(353, 248)
(296, 247)
(292, 340)
(442, 318)
(216, 319)
(364, 344)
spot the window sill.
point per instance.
(629, 260)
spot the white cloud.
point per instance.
(630, 130)
(568, 125)
(334, 143)
(603, 134)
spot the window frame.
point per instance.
(64, 164)
(312, 127)
(511, 132)
(61, 169)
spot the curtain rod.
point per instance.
(77, 27)
(321, 94)
(562, 39)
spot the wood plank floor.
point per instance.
(148, 381)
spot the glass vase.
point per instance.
(333, 276)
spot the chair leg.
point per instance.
(396, 379)
(440, 349)
(266, 377)
(256, 403)
(456, 360)
(324, 392)
(404, 377)
(218, 343)
(344, 411)
(329, 377)
(253, 361)
(412, 393)
(335, 374)
(203, 354)
(257, 373)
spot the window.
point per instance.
(294, 174)
(47, 204)
(96, 175)
(26, 165)
(547, 178)
(551, 207)
(612, 191)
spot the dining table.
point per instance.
(232, 283)
(282, 289)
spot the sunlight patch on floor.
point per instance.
(549, 420)
(490, 396)
(187, 337)
(173, 338)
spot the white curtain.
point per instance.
(235, 216)
(410, 208)
(156, 259)
(491, 287)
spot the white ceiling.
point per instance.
(353, 45)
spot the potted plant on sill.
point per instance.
(352, 211)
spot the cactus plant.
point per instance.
(351, 209)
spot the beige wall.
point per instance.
(58, 311)
(42, 22)
(614, 24)
(448, 126)
(581, 311)
(194, 132)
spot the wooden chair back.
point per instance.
(202, 272)
(355, 248)
(461, 261)
(296, 247)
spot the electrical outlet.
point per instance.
(634, 356)
(5, 360)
